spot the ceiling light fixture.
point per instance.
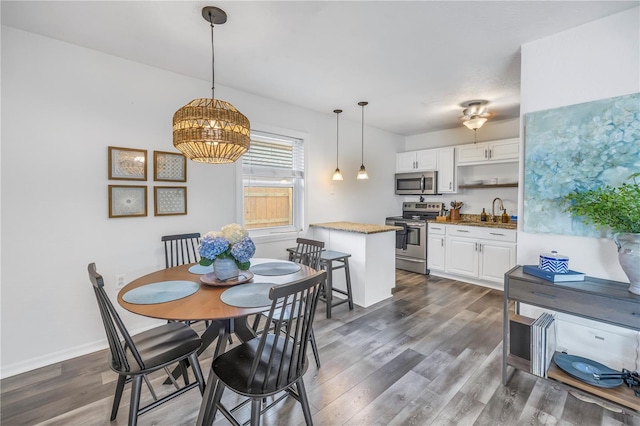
(362, 173)
(337, 175)
(211, 130)
(475, 114)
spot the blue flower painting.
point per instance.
(576, 148)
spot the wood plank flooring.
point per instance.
(430, 355)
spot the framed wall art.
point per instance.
(127, 163)
(127, 201)
(577, 148)
(170, 200)
(169, 167)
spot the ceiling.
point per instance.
(414, 62)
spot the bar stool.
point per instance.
(327, 259)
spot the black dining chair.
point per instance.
(276, 360)
(181, 249)
(307, 253)
(134, 357)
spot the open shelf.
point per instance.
(497, 185)
(621, 395)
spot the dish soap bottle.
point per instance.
(505, 217)
(483, 216)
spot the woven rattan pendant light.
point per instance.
(337, 175)
(211, 130)
(362, 173)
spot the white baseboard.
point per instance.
(60, 356)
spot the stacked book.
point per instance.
(554, 277)
(543, 344)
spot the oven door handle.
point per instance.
(416, 224)
(409, 259)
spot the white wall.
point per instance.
(595, 61)
(63, 105)
(474, 199)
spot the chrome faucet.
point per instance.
(493, 208)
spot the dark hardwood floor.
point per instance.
(430, 355)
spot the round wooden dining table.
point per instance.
(206, 305)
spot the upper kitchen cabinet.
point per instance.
(417, 161)
(502, 151)
(446, 170)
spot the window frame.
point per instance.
(300, 188)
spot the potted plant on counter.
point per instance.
(617, 209)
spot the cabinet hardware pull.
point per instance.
(548, 296)
(476, 246)
(439, 229)
(442, 244)
(496, 233)
(485, 154)
(450, 185)
(480, 247)
(490, 153)
(461, 230)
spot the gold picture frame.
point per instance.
(170, 200)
(127, 163)
(169, 167)
(127, 201)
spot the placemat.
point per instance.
(252, 295)
(275, 268)
(200, 270)
(164, 291)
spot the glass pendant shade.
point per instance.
(362, 173)
(337, 175)
(211, 131)
(474, 123)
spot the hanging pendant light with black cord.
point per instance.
(337, 175)
(362, 173)
(211, 130)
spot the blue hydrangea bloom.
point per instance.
(210, 248)
(243, 250)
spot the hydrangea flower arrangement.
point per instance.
(232, 241)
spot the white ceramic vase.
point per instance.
(225, 269)
(629, 258)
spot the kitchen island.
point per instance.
(372, 262)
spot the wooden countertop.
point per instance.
(360, 228)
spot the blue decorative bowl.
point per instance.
(554, 262)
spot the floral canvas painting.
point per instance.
(576, 148)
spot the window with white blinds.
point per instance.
(273, 183)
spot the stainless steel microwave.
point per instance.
(419, 183)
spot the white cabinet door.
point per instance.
(406, 162)
(473, 153)
(502, 151)
(462, 256)
(427, 160)
(505, 150)
(446, 170)
(436, 247)
(495, 259)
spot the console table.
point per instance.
(596, 299)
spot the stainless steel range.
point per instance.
(411, 241)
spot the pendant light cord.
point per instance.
(362, 144)
(337, 135)
(213, 68)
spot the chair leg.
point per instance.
(184, 371)
(255, 411)
(136, 387)
(118, 396)
(302, 394)
(314, 348)
(217, 396)
(197, 371)
(348, 276)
